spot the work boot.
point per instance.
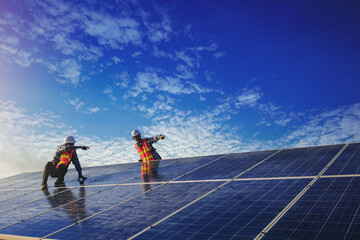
(59, 183)
(44, 186)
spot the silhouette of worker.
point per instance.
(58, 167)
(149, 157)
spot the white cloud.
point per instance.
(268, 108)
(69, 46)
(51, 67)
(148, 82)
(151, 81)
(198, 88)
(117, 60)
(190, 56)
(185, 72)
(219, 54)
(125, 79)
(77, 103)
(109, 91)
(164, 104)
(283, 122)
(187, 28)
(93, 110)
(157, 31)
(56, 8)
(110, 31)
(162, 54)
(191, 62)
(70, 69)
(281, 117)
(335, 126)
(61, 81)
(248, 97)
(264, 122)
(208, 75)
(194, 136)
(211, 48)
(23, 133)
(11, 40)
(10, 54)
(136, 54)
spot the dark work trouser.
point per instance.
(50, 170)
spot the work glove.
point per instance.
(140, 160)
(84, 147)
(81, 178)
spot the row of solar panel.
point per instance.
(90, 201)
(289, 162)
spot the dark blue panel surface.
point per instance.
(22, 181)
(228, 166)
(123, 220)
(295, 162)
(178, 168)
(239, 209)
(101, 175)
(94, 174)
(15, 178)
(328, 210)
(49, 199)
(347, 163)
(122, 173)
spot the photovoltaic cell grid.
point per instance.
(300, 193)
(328, 210)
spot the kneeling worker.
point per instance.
(149, 157)
(65, 154)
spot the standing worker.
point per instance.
(149, 157)
(58, 167)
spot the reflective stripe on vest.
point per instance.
(65, 158)
(144, 151)
(146, 156)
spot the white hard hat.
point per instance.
(69, 139)
(135, 133)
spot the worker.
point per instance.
(58, 167)
(149, 157)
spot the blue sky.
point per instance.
(213, 76)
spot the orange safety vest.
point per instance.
(65, 158)
(146, 156)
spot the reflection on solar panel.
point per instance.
(300, 193)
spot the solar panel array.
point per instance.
(300, 193)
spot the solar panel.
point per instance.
(348, 161)
(295, 193)
(228, 166)
(240, 210)
(328, 210)
(296, 162)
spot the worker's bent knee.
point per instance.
(49, 167)
(49, 164)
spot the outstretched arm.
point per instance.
(82, 147)
(76, 162)
(155, 139)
